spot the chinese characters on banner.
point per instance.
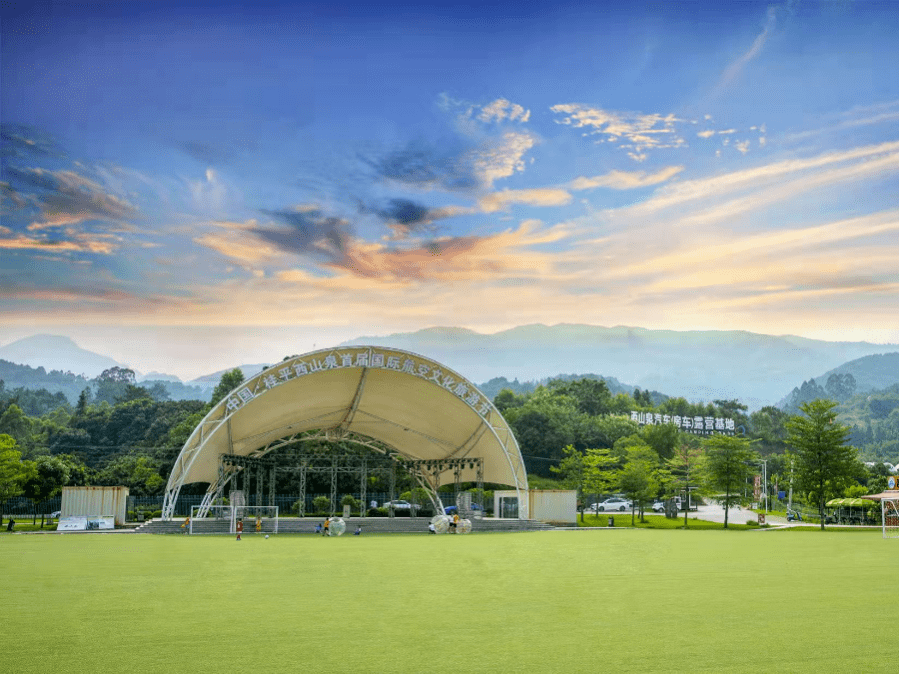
(757, 488)
(402, 362)
(697, 424)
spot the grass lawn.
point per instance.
(558, 601)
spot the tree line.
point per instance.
(122, 433)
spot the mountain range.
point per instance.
(758, 369)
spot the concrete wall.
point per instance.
(95, 501)
(558, 507)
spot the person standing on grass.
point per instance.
(239, 528)
(326, 531)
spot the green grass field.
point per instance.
(559, 601)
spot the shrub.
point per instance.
(321, 504)
(351, 501)
(295, 507)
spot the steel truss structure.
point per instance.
(399, 404)
(239, 472)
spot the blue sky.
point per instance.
(197, 185)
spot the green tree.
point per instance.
(14, 422)
(507, 399)
(769, 425)
(591, 396)
(638, 479)
(599, 472)
(726, 467)
(112, 384)
(322, 504)
(139, 473)
(52, 474)
(84, 399)
(662, 438)
(825, 464)
(684, 467)
(228, 382)
(14, 473)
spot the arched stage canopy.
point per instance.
(416, 406)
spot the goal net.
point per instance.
(261, 519)
(218, 520)
(889, 510)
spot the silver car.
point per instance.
(610, 504)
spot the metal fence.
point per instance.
(147, 506)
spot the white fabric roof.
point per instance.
(413, 404)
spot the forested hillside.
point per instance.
(15, 376)
(121, 433)
(867, 390)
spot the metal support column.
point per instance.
(363, 480)
(271, 485)
(392, 489)
(260, 473)
(302, 498)
(480, 480)
(334, 486)
(457, 484)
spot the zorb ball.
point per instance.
(463, 526)
(266, 536)
(441, 524)
(337, 527)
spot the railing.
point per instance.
(22, 507)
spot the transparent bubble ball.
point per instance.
(337, 527)
(441, 524)
(463, 526)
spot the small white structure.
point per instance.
(558, 507)
(90, 500)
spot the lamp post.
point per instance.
(764, 463)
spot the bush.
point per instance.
(295, 507)
(351, 501)
(322, 504)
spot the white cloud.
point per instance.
(733, 70)
(632, 130)
(498, 201)
(503, 158)
(742, 146)
(708, 133)
(625, 180)
(503, 109)
(684, 191)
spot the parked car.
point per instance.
(400, 505)
(658, 506)
(55, 514)
(610, 504)
(450, 510)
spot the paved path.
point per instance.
(737, 515)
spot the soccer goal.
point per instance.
(889, 511)
(259, 519)
(218, 520)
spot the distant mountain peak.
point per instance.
(56, 352)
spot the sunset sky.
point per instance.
(190, 185)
